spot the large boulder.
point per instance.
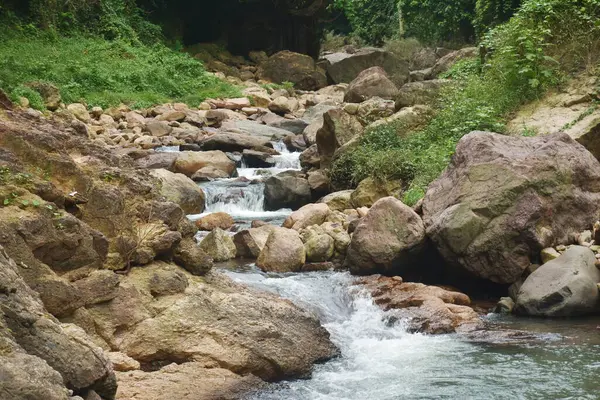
(253, 128)
(372, 82)
(339, 128)
(310, 158)
(287, 66)
(192, 258)
(288, 189)
(42, 358)
(387, 240)
(283, 252)
(414, 93)
(181, 190)
(188, 162)
(345, 67)
(215, 220)
(338, 201)
(564, 287)
(504, 198)
(375, 109)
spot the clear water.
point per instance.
(381, 361)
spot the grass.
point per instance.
(105, 73)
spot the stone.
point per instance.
(319, 183)
(310, 214)
(295, 125)
(219, 245)
(231, 142)
(257, 159)
(258, 56)
(250, 242)
(387, 240)
(549, 254)
(215, 220)
(192, 258)
(50, 94)
(484, 212)
(181, 190)
(424, 309)
(214, 323)
(299, 69)
(157, 160)
(98, 287)
(167, 282)
(447, 61)
(370, 190)
(504, 306)
(122, 362)
(158, 128)
(338, 129)
(375, 109)
(318, 247)
(406, 120)
(190, 380)
(232, 104)
(372, 82)
(344, 67)
(423, 59)
(338, 201)
(188, 162)
(281, 105)
(310, 158)
(134, 119)
(80, 112)
(424, 93)
(283, 252)
(253, 128)
(339, 235)
(563, 287)
(258, 96)
(208, 174)
(288, 189)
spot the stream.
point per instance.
(380, 360)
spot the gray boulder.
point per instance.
(289, 189)
(287, 66)
(419, 93)
(339, 128)
(372, 82)
(505, 198)
(564, 287)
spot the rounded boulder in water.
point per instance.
(564, 287)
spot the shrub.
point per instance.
(106, 73)
(371, 20)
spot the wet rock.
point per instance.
(283, 252)
(219, 245)
(388, 240)
(504, 306)
(208, 174)
(549, 254)
(257, 159)
(289, 189)
(310, 214)
(564, 287)
(483, 213)
(287, 66)
(181, 190)
(372, 82)
(425, 309)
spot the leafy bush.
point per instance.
(106, 73)
(490, 13)
(438, 21)
(35, 99)
(371, 20)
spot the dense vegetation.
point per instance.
(533, 51)
(101, 53)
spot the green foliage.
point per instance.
(371, 20)
(35, 99)
(438, 21)
(490, 13)
(403, 48)
(105, 73)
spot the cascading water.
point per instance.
(381, 361)
(243, 199)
